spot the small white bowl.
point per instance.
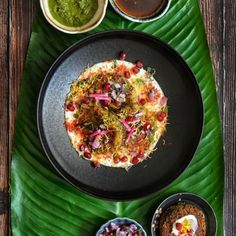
(93, 23)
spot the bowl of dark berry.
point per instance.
(121, 227)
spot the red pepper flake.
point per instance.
(142, 101)
(127, 74)
(122, 55)
(135, 70)
(139, 64)
(69, 126)
(70, 107)
(124, 159)
(135, 160)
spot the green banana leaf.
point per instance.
(42, 203)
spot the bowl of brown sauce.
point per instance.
(141, 10)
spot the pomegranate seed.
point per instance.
(146, 126)
(161, 116)
(106, 103)
(70, 107)
(117, 103)
(139, 64)
(116, 160)
(135, 70)
(107, 87)
(82, 147)
(122, 55)
(134, 160)
(87, 154)
(142, 101)
(129, 119)
(178, 226)
(127, 74)
(190, 233)
(124, 159)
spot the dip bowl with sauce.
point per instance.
(141, 10)
(74, 16)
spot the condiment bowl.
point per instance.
(211, 222)
(158, 14)
(93, 23)
(120, 221)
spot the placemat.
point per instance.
(42, 203)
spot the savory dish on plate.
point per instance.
(182, 219)
(115, 113)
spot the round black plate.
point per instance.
(174, 152)
(203, 205)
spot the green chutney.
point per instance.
(73, 13)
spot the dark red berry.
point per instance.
(122, 55)
(135, 70)
(116, 160)
(124, 159)
(127, 74)
(82, 147)
(139, 64)
(87, 154)
(107, 87)
(142, 101)
(134, 160)
(70, 107)
(106, 103)
(178, 226)
(117, 103)
(161, 116)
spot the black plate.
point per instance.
(203, 205)
(185, 116)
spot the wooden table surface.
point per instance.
(16, 18)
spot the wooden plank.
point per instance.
(213, 19)
(229, 114)
(21, 18)
(4, 117)
(220, 22)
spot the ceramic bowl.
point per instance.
(161, 12)
(120, 221)
(93, 23)
(211, 222)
